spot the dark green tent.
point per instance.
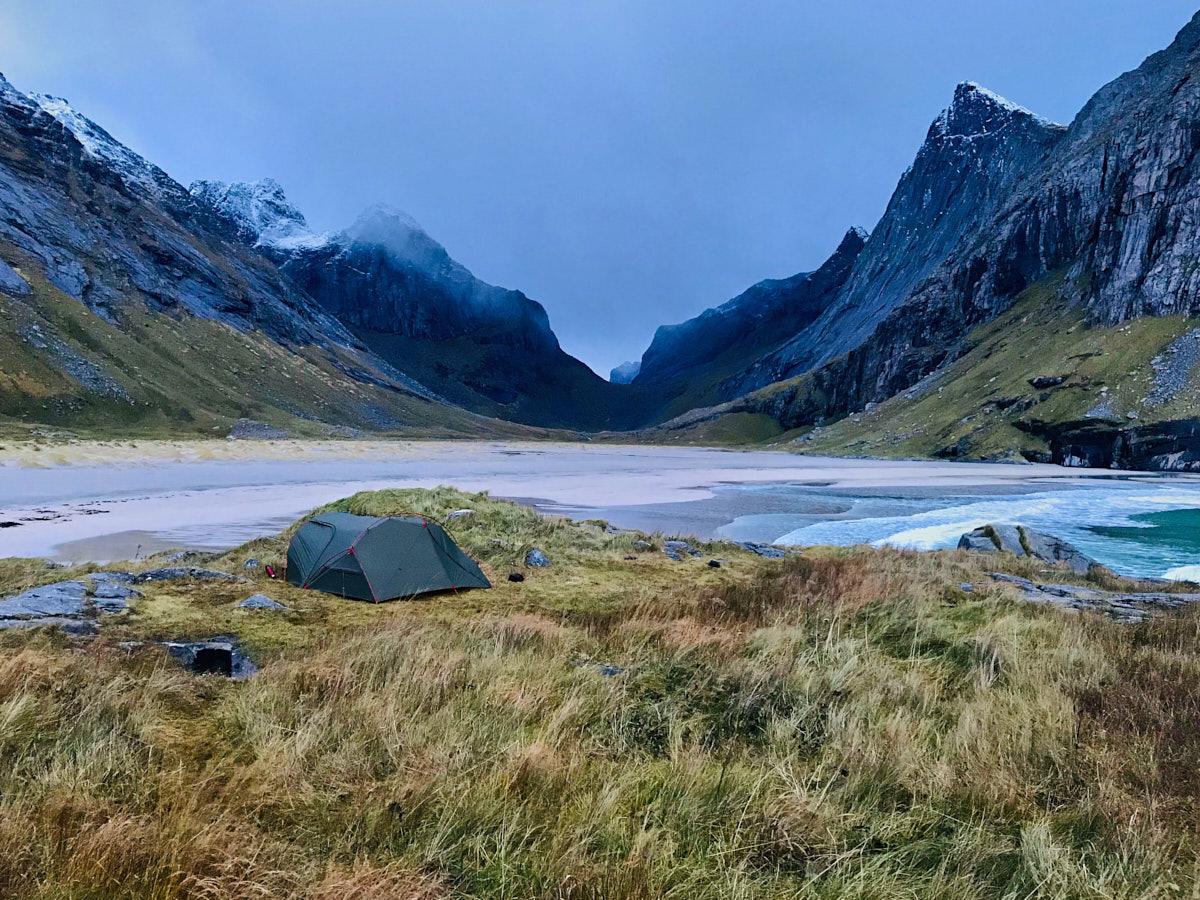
(378, 559)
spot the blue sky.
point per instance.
(625, 163)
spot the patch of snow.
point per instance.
(261, 213)
(103, 146)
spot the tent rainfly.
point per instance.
(367, 558)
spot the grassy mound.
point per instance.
(845, 723)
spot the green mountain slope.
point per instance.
(147, 372)
(1038, 383)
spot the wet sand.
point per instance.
(104, 501)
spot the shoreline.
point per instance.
(35, 454)
(217, 493)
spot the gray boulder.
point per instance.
(642, 546)
(460, 514)
(765, 550)
(251, 563)
(1054, 550)
(993, 538)
(260, 601)
(536, 559)
(10, 282)
(677, 550)
(1022, 541)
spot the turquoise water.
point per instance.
(1140, 528)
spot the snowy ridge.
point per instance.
(103, 146)
(261, 213)
(975, 110)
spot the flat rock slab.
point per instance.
(1127, 607)
(72, 605)
(64, 598)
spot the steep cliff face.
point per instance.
(974, 154)
(400, 292)
(749, 326)
(1114, 204)
(1092, 232)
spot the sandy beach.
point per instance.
(109, 500)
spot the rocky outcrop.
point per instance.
(1021, 541)
(1102, 216)
(82, 214)
(109, 228)
(1132, 606)
(73, 606)
(731, 336)
(1171, 446)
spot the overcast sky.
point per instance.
(625, 162)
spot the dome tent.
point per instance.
(375, 559)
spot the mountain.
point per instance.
(402, 294)
(126, 303)
(625, 372)
(693, 360)
(1010, 234)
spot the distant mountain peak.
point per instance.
(976, 111)
(625, 372)
(260, 212)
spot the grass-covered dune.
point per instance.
(843, 723)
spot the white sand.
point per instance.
(219, 493)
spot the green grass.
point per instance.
(184, 376)
(846, 723)
(1040, 335)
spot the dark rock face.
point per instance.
(401, 293)
(107, 226)
(976, 151)
(1105, 211)
(752, 324)
(1112, 201)
(1172, 446)
(217, 656)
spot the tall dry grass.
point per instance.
(842, 724)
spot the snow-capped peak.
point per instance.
(104, 147)
(261, 213)
(975, 110)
